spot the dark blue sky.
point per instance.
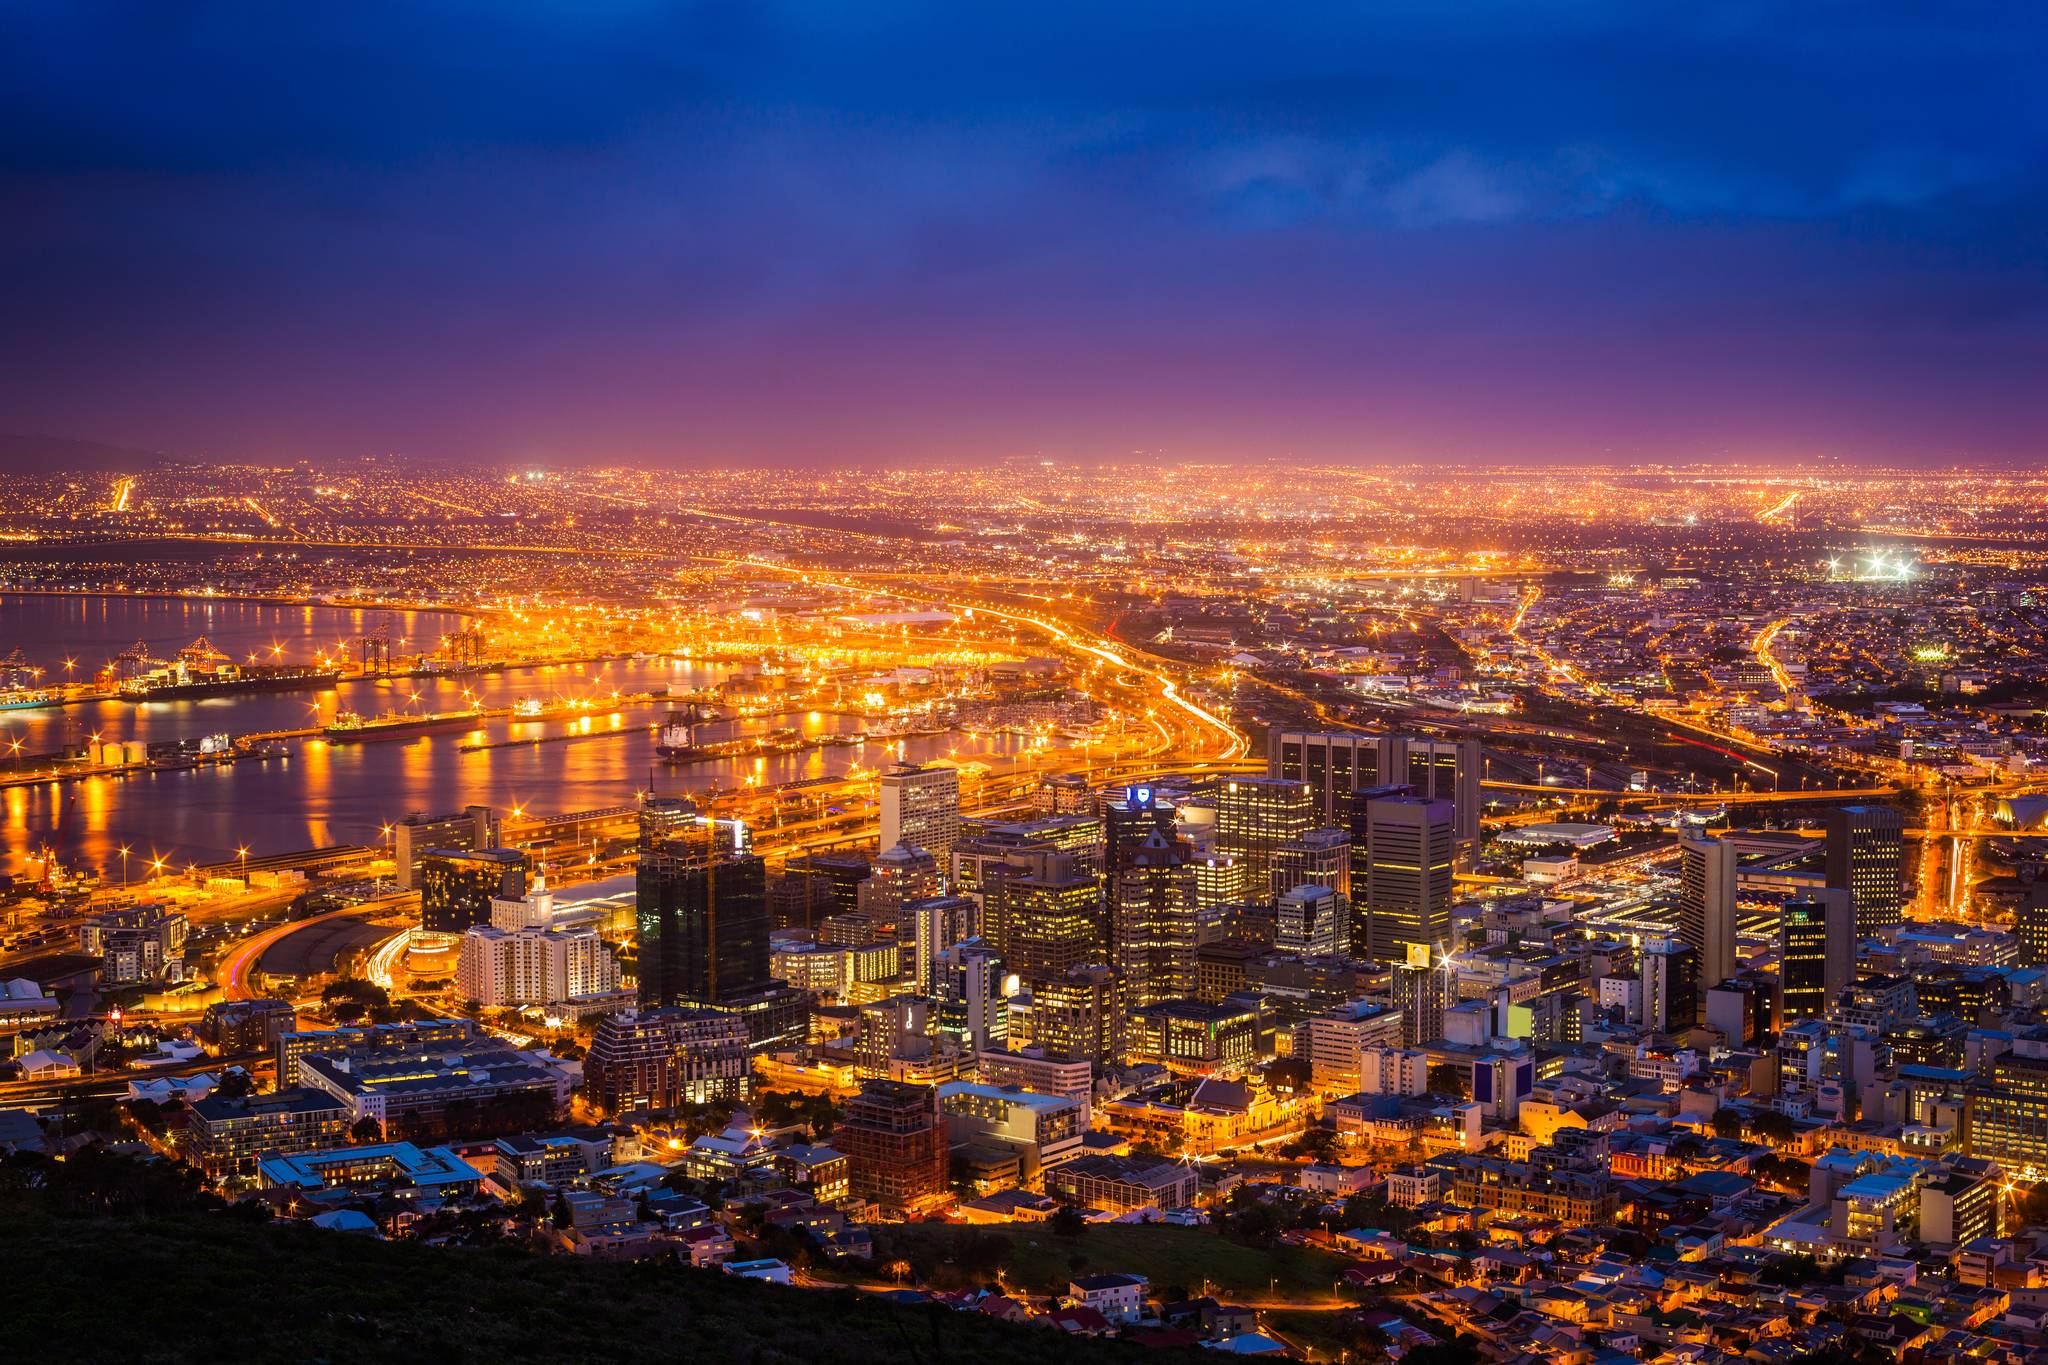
(879, 231)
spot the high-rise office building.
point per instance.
(895, 1145)
(1670, 981)
(701, 909)
(2030, 925)
(1337, 766)
(901, 874)
(1128, 819)
(1420, 989)
(974, 1009)
(1047, 919)
(921, 807)
(925, 929)
(1321, 857)
(1866, 856)
(1816, 954)
(1154, 921)
(457, 888)
(2009, 1111)
(1406, 847)
(1312, 921)
(1706, 907)
(1257, 815)
(1332, 765)
(466, 831)
(1078, 1014)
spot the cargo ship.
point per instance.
(202, 671)
(349, 727)
(23, 698)
(563, 708)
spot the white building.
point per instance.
(1335, 1040)
(921, 807)
(500, 968)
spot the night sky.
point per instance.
(873, 232)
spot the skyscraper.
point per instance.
(1322, 857)
(1408, 846)
(1335, 766)
(457, 887)
(973, 1009)
(466, 831)
(1419, 990)
(2030, 924)
(1706, 907)
(1816, 954)
(1312, 921)
(921, 807)
(1046, 920)
(1153, 936)
(1441, 770)
(1866, 856)
(1128, 819)
(1670, 981)
(1257, 815)
(701, 908)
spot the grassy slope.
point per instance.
(1166, 1255)
(213, 1289)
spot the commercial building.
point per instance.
(1816, 953)
(1121, 1184)
(395, 1169)
(1256, 816)
(1079, 1014)
(1154, 921)
(1706, 906)
(465, 831)
(1041, 1130)
(1670, 980)
(1191, 1038)
(1312, 921)
(921, 807)
(457, 886)
(485, 1089)
(2008, 1110)
(1405, 849)
(224, 1137)
(701, 908)
(664, 1058)
(1866, 856)
(973, 1007)
(895, 1146)
(1337, 766)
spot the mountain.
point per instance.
(30, 454)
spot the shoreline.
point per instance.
(166, 595)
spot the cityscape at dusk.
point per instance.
(781, 683)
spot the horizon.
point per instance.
(785, 238)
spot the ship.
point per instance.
(349, 727)
(563, 708)
(23, 698)
(678, 739)
(201, 671)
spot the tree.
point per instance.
(235, 1083)
(366, 1130)
(1773, 1127)
(1728, 1123)
(1068, 1222)
(1446, 1079)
